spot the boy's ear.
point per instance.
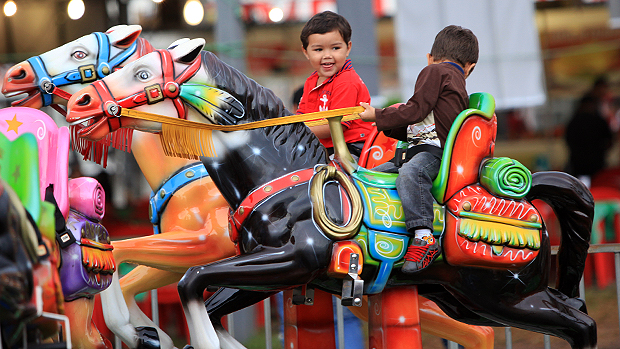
(304, 51)
(349, 48)
(429, 58)
(469, 67)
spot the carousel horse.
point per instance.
(160, 264)
(293, 210)
(66, 262)
(196, 223)
(84, 252)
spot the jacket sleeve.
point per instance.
(427, 89)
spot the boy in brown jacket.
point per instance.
(424, 121)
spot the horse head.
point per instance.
(149, 83)
(51, 78)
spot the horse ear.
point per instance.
(122, 36)
(186, 52)
(177, 43)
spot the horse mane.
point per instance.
(261, 103)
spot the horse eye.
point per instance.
(79, 55)
(143, 75)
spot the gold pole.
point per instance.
(341, 151)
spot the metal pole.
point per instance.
(155, 307)
(340, 324)
(363, 54)
(508, 334)
(267, 315)
(231, 324)
(547, 342)
(617, 264)
(230, 34)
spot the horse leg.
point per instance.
(270, 269)
(142, 279)
(226, 301)
(546, 312)
(175, 250)
(435, 322)
(84, 333)
(123, 319)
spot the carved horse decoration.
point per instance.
(192, 215)
(480, 338)
(79, 57)
(495, 261)
(84, 252)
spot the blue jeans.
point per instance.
(414, 183)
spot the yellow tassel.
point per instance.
(186, 142)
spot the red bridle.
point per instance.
(169, 88)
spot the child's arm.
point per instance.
(321, 131)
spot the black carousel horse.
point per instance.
(292, 206)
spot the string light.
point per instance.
(75, 9)
(193, 12)
(276, 14)
(10, 8)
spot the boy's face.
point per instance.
(327, 53)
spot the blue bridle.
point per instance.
(84, 74)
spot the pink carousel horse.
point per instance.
(87, 263)
(223, 108)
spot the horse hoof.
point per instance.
(147, 338)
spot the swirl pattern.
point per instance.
(506, 177)
(99, 199)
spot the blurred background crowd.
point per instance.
(552, 66)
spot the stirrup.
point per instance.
(352, 285)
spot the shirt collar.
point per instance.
(347, 66)
(457, 66)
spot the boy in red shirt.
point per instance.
(335, 84)
(424, 121)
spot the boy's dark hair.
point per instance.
(456, 44)
(326, 22)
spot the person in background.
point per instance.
(326, 43)
(588, 134)
(297, 98)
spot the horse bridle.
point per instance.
(48, 85)
(169, 88)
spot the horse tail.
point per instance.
(573, 205)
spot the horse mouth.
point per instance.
(30, 100)
(89, 125)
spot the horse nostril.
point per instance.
(19, 74)
(84, 100)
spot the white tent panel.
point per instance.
(510, 64)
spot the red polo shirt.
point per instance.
(344, 89)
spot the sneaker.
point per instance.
(420, 254)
